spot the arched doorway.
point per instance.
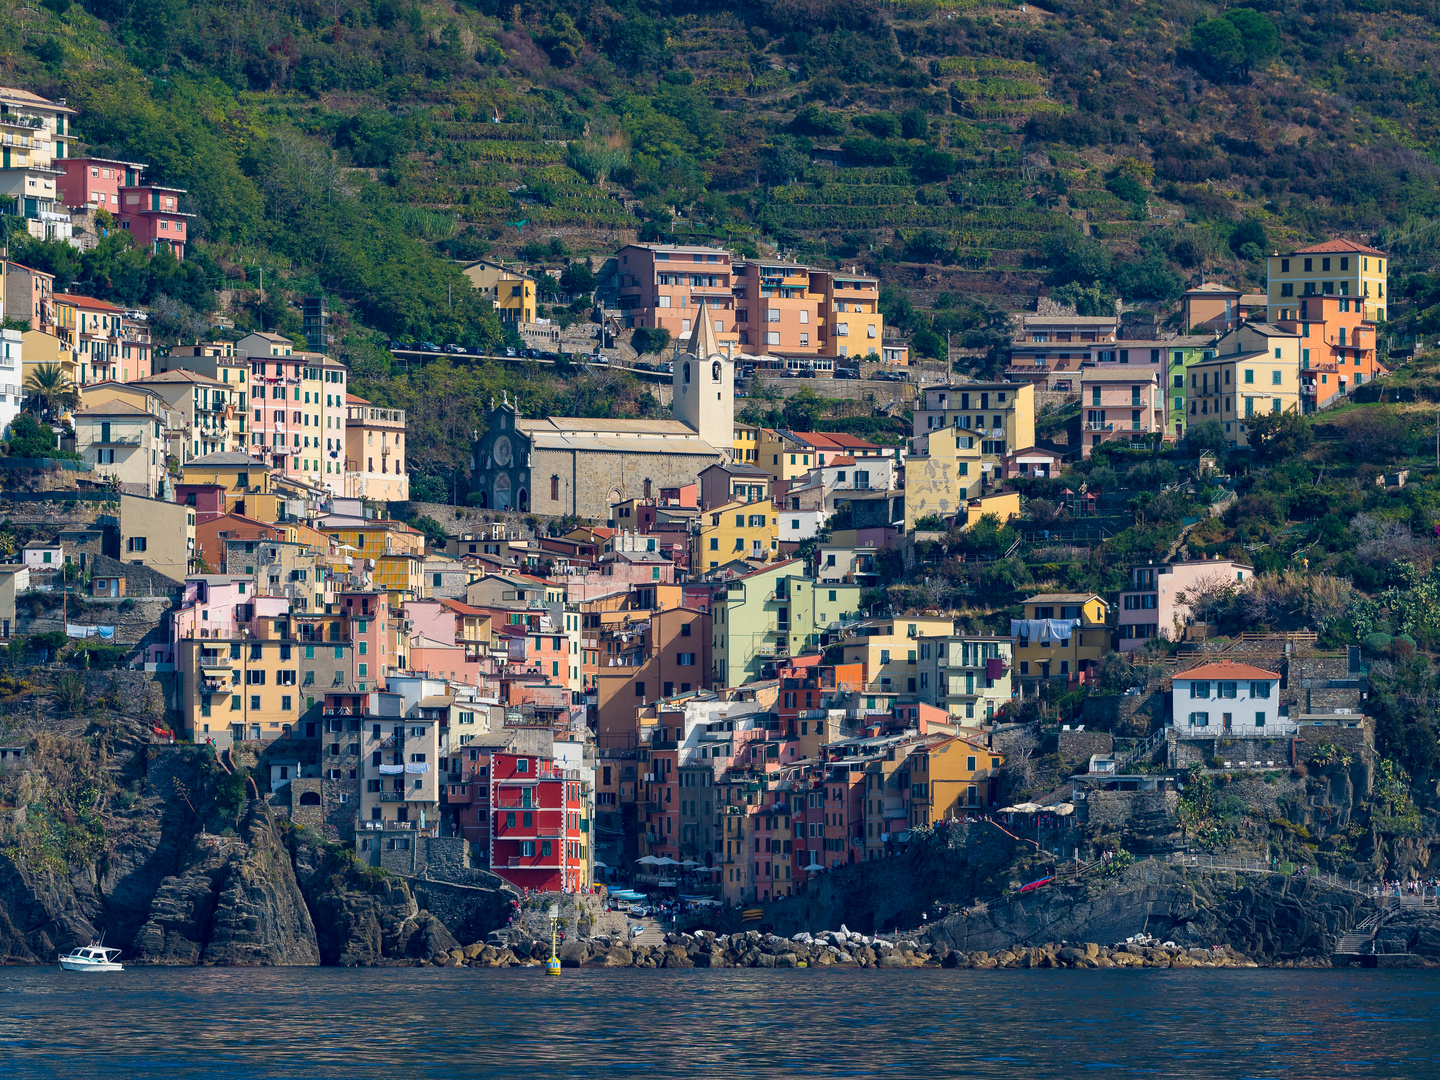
(523, 500)
(502, 492)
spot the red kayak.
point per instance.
(1035, 885)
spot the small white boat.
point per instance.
(92, 958)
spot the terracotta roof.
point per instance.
(1227, 669)
(1337, 245)
(84, 301)
(459, 608)
(351, 399)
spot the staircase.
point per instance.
(1145, 749)
(1360, 941)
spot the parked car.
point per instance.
(842, 374)
(600, 358)
(429, 346)
(668, 367)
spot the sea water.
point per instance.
(412, 1024)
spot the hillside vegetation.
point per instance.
(990, 151)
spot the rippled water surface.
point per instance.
(410, 1024)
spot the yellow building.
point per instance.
(1256, 370)
(39, 348)
(737, 530)
(747, 443)
(159, 534)
(889, 649)
(784, 456)
(512, 293)
(1332, 268)
(398, 552)
(951, 778)
(1005, 505)
(1061, 636)
(238, 691)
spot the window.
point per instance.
(1249, 375)
(1199, 689)
(640, 689)
(1259, 689)
(1199, 719)
(136, 543)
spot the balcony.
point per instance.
(1098, 425)
(392, 796)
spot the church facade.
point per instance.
(574, 465)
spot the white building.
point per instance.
(1226, 699)
(11, 378)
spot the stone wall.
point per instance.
(1077, 746)
(1187, 752)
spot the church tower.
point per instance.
(704, 386)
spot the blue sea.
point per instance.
(412, 1024)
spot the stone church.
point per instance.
(572, 465)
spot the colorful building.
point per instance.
(538, 823)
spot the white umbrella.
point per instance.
(689, 863)
(665, 860)
(648, 860)
(601, 865)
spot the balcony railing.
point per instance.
(392, 796)
(1098, 425)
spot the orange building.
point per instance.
(1337, 346)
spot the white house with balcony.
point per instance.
(1226, 699)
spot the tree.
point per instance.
(30, 439)
(803, 410)
(434, 532)
(577, 278)
(927, 343)
(1259, 37)
(1087, 300)
(1206, 435)
(562, 41)
(1276, 436)
(1218, 46)
(1210, 597)
(914, 124)
(783, 160)
(1248, 239)
(49, 390)
(650, 339)
(1328, 600)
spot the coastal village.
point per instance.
(665, 662)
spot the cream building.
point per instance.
(1256, 370)
(374, 452)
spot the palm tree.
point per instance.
(48, 389)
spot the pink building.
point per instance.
(369, 615)
(96, 182)
(1123, 404)
(1156, 604)
(661, 285)
(152, 216)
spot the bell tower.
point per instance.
(703, 385)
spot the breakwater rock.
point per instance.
(840, 949)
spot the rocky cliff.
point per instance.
(177, 860)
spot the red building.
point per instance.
(535, 823)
